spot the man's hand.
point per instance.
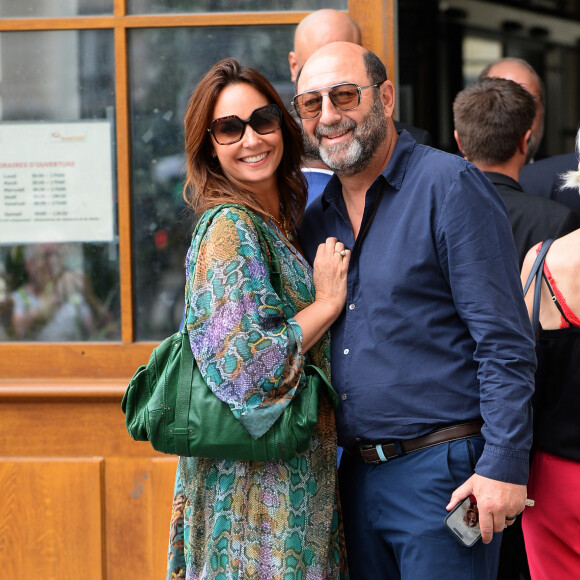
(496, 501)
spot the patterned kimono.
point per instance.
(243, 519)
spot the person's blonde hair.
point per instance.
(571, 179)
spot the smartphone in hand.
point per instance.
(463, 522)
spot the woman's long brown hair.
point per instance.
(206, 184)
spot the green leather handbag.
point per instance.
(169, 404)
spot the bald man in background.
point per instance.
(523, 73)
(539, 176)
(316, 30)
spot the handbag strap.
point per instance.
(537, 269)
(264, 240)
(187, 363)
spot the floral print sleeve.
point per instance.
(247, 349)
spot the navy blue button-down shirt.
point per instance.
(435, 330)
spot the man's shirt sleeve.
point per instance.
(478, 257)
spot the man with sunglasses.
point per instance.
(319, 28)
(433, 357)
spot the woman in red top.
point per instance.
(552, 526)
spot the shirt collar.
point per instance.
(394, 172)
(503, 179)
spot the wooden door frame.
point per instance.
(91, 360)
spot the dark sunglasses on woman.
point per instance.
(231, 129)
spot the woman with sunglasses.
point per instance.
(247, 519)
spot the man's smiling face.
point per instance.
(346, 140)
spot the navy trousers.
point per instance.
(394, 512)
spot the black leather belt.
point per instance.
(385, 451)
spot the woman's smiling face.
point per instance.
(253, 161)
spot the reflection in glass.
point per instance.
(54, 8)
(53, 297)
(166, 65)
(53, 288)
(186, 6)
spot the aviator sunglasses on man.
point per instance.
(231, 129)
(344, 96)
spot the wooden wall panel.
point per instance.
(76, 490)
(51, 518)
(139, 495)
(65, 419)
(128, 518)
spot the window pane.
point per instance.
(59, 264)
(53, 8)
(166, 65)
(168, 6)
(477, 54)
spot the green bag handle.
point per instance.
(186, 369)
(332, 394)
(187, 365)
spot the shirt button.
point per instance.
(351, 306)
(343, 396)
(346, 351)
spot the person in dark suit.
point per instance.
(540, 175)
(543, 178)
(493, 119)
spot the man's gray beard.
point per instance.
(310, 147)
(347, 160)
